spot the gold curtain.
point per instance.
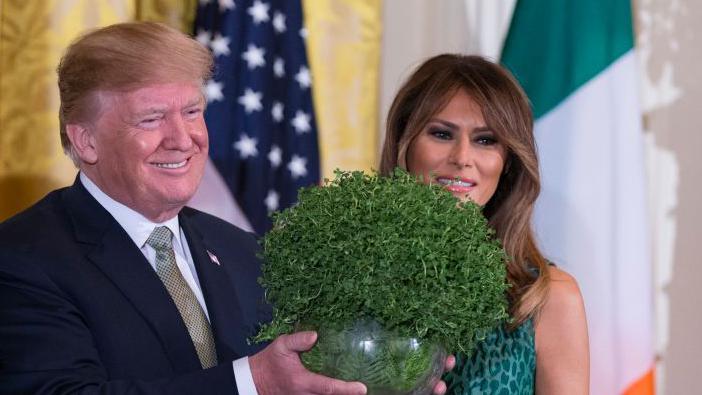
(344, 39)
(177, 13)
(33, 35)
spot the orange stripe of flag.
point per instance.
(643, 386)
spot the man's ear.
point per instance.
(83, 142)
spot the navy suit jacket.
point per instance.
(82, 311)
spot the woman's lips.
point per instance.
(456, 184)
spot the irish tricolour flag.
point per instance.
(576, 61)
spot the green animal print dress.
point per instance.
(502, 364)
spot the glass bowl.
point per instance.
(385, 362)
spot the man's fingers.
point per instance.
(327, 386)
(299, 341)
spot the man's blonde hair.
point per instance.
(124, 57)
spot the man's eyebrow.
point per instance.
(151, 110)
(195, 101)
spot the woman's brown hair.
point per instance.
(506, 110)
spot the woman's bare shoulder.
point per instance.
(564, 290)
(564, 305)
(562, 350)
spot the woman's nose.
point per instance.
(461, 154)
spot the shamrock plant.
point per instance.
(386, 248)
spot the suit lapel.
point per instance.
(223, 306)
(115, 254)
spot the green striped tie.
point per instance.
(184, 298)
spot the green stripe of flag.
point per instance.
(555, 46)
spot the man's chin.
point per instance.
(172, 199)
(179, 199)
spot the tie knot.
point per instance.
(161, 239)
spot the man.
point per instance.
(112, 285)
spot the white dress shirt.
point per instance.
(139, 229)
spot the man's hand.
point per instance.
(440, 387)
(277, 370)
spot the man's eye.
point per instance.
(150, 122)
(192, 113)
(441, 134)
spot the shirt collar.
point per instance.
(137, 226)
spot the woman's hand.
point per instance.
(440, 387)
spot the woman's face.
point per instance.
(457, 149)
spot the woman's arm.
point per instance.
(562, 352)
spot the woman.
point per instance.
(464, 122)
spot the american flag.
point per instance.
(263, 139)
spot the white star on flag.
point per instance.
(213, 91)
(297, 166)
(275, 156)
(254, 57)
(203, 37)
(279, 67)
(303, 33)
(251, 101)
(301, 122)
(279, 22)
(260, 114)
(277, 111)
(303, 77)
(220, 45)
(226, 5)
(271, 200)
(259, 12)
(246, 146)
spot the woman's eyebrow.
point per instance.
(448, 124)
(452, 125)
(482, 129)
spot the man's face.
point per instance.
(150, 147)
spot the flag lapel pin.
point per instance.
(213, 257)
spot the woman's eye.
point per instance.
(486, 140)
(441, 134)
